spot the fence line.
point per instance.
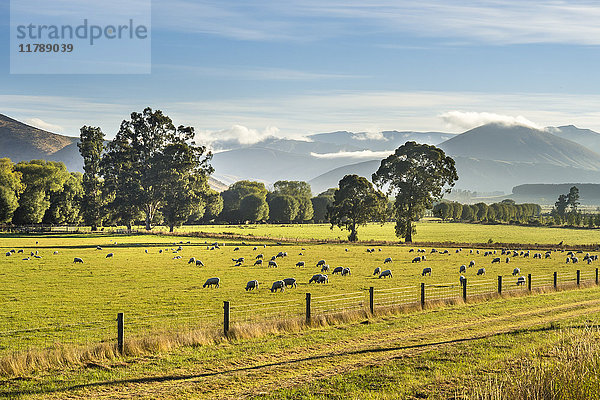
(373, 299)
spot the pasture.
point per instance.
(51, 299)
(428, 230)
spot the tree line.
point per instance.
(504, 211)
(155, 172)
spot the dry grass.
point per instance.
(567, 370)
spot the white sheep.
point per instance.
(462, 268)
(377, 271)
(346, 271)
(321, 262)
(109, 255)
(210, 282)
(252, 285)
(315, 278)
(387, 260)
(385, 274)
(481, 271)
(258, 262)
(516, 271)
(300, 264)
(78, 260)
(325, 268)
(496, 260)
(278, 285)
(426, 271)
(199, 263)
(337, 270)
(291, 282)
(520, 280)
(273, 264)
(462, 280)
(192, 260)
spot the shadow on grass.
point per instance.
(174, 378)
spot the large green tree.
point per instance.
(233, 196)
(300, 191)
(416, 174)
(254, 208)
(40, 179)
(320, 204)
(10, 189)
(283, 208)
(147, 159)
(356, 202)
(65, 204)
(91, 145)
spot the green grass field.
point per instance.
(79, 302)
(427, 231)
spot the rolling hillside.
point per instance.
(20, 142)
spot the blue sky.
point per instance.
(232, 68)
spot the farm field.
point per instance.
(52, 300)
(436, 353)
(427, 231)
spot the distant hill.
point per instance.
(20, 142)
(380, 141)
(522, 145)
(584, 137)
(331, 178)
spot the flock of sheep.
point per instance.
(497, 257)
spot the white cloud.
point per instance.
(369, 136)
(490, 21)
(354, 154)
(238, 133)
(469, 120)
(38, 123)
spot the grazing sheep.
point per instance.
(387, 260)
(567, 260)
(321, 262)
(516, 271)
(426, 271)
(323, 279)
(36, 256)
(160, 251)
(433, 250)
(210, 282)
(300, 254)
(258, 262)
(337, 270)
(255, 248)
(258, 257)
(98, 248)
(346, 250)
(199, 263)
(377, 271)
(273, 264)
(411, 250)
(300, 264)
(507, 260)
(280, 254)
(109, 255)
(20, 251)
(273, 258)
(574, 260)
(471, 263)
(251, 285)
(236, 249)
(463, 268)
(78, 260)
(481, 271)
(547, 255)
(177, 258)
(238, 260)
(346, 271)
(462, 280)
(520, 280)
(315, 278)
(445, 252)
(291, 282)
(238, 265)
(26, 259)
(8, 254)
(496, 260)
(55, 253)
(146, 251)
(385, 274)
(325, 268)
(192, 260)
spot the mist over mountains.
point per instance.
(492, 157)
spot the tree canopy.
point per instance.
(355, 203)
(417, 175)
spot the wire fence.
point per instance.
(106, 329)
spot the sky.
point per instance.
(249, 69)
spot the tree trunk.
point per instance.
(408, 238)
(171, 228)
(148, 224)
(129, 226)
(94, 228)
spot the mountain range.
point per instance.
(492, 157)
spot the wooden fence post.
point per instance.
(226, 317)
(372, 299)
(422, 295)
(596, 276)
(499, 284)
(464, 288)
(555, 280)
(529, 282)
(578, 277)
(308, 308)
(120, 333)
